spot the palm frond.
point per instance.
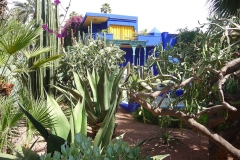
(3, 58)
(36, 51)
(10, 116)
(44, 62)
(39, 109)
(224, 8)
(23, 37)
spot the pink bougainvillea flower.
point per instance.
(73, 23)
(50, 31)
(45, 27)
(57, 2)
(59, 35)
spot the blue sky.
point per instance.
(166, 15)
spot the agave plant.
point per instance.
(102, 95)
(61, 130)
(64, 130)
(57, 146)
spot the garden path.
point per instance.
(189, 146)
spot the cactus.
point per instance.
(42, 79)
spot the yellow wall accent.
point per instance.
(122, 32)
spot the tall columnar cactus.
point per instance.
(46, 14)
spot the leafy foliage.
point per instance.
(24, 36)
(81, 58)
(224, 8)
(102, 96)
(166, 136)
(3, 9)
(106, 8)
(189, 41)
(145, 116)
(143, 32)
(204, 75)
(199, 55)
(10, 117)
(71, 29)
(61, 130)
(19, 55)
(83, 148)
(24, 10)
(39, 109)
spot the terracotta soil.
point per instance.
(188, 146)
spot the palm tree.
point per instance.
(74, 13)
(224, 8)
(106, 8)
(3, 8)
(25, 10)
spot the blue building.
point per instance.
(122, 31)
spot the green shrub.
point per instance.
(81, 57)
(83, 148)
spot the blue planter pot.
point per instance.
(130, 107)
(179, 92)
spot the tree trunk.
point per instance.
(231, 135)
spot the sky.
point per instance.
(165, 15)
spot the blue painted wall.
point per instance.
(104, 25)
(96, 28)
(169, 39)
(129, 54)
(151, 39)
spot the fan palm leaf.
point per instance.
(9, 122)
(23, 36)
(3, 58)
(224, 8)
(39, 109)
(36, 51)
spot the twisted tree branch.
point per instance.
(190, 121)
